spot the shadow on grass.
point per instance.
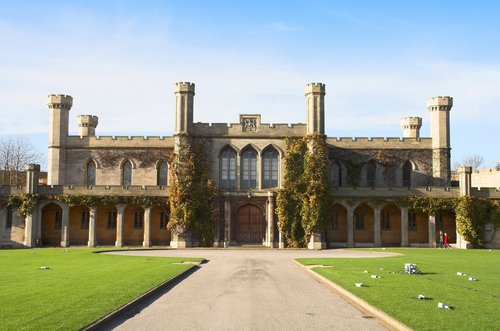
(133, 308)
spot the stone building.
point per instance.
(367, 176)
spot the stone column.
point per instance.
(227, 221)
(120, 211)
(30, 228)
(147, 228)
(350, 226)
(404, 227)
(316, 241)
(281, 244)
(432, 230)
(65, 226)
(92, 230)
(270, 219)
(376, 226)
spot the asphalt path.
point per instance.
(249, 289)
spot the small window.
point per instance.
(127, 174)
(8, 224)
(138, 219)
(407, 170)
(58, 220)
(385, 221)
(334, 226)
(163, 220)
(162, 176)
(84, 221)
(335, 175)
(91, 173)
(412, 221)
(228, 168)
(111, 220)
(360, 221)
(370, 174)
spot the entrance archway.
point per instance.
(249, 225)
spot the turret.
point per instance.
(59, 107)
(87, 125)
(315, 108)
(184, 102)
(411, 126)
(439, 108)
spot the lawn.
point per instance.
(474, 305)
(78, 288)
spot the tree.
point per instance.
(474, 161)
(15, 153)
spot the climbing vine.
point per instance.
(192, 193)
(25, 203)
(302, 203)
(471, 216)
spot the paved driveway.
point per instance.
(250, 289)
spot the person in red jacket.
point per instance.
(446, 240)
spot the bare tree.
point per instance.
(15, 153)
(474, 161)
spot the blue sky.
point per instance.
(380, 61)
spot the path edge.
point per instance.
(132, 305)
(387, 320)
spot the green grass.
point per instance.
(475, 304)
(79, 288)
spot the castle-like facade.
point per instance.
(367, 177)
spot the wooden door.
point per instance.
(249, 225)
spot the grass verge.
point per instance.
(474, 304)
(78, 288)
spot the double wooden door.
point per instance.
(249, 225)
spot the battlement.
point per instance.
(314, 88)
(440, 103)
(184, 87)
(59, 101)
(411, 122)
(243, 130)
(88, 121)
(379, 142)
(119, 142)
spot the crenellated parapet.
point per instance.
(315, 108)
(184, 107)
(59, 101)
(411, 126)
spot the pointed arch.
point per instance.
(270, 167)
(335, 174)
(407, 174)
(371, 171)
(90, 172)
(126, 167)
(248, 167)
(162, 173)
(227, 167)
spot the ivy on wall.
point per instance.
(303, 202)
(192, 193)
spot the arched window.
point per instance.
(407, 169)
(335, 175)
(228, 168)
(162, 174)
(138, 218)
(370, 174)
(91, 171)
(127, 174)
(270, 168)
(163, 220)
(249, 169)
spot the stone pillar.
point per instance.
(270, 219)
(30, 228)
(227, 221)
(404, 227)
(432, 230)
(350, 226)
(376, 226)
(465, 180)
(92, 230)
(120, 211)
(65, 226)
(316, 241)
(281, 244)
(147, 227)
(181, 240)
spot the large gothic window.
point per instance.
(91, 171)
(249, 169)
(270, 168)
(228, 168)
(162, 175)
(127, 174)
(370, 174)
(335, 175)
(407, 169)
